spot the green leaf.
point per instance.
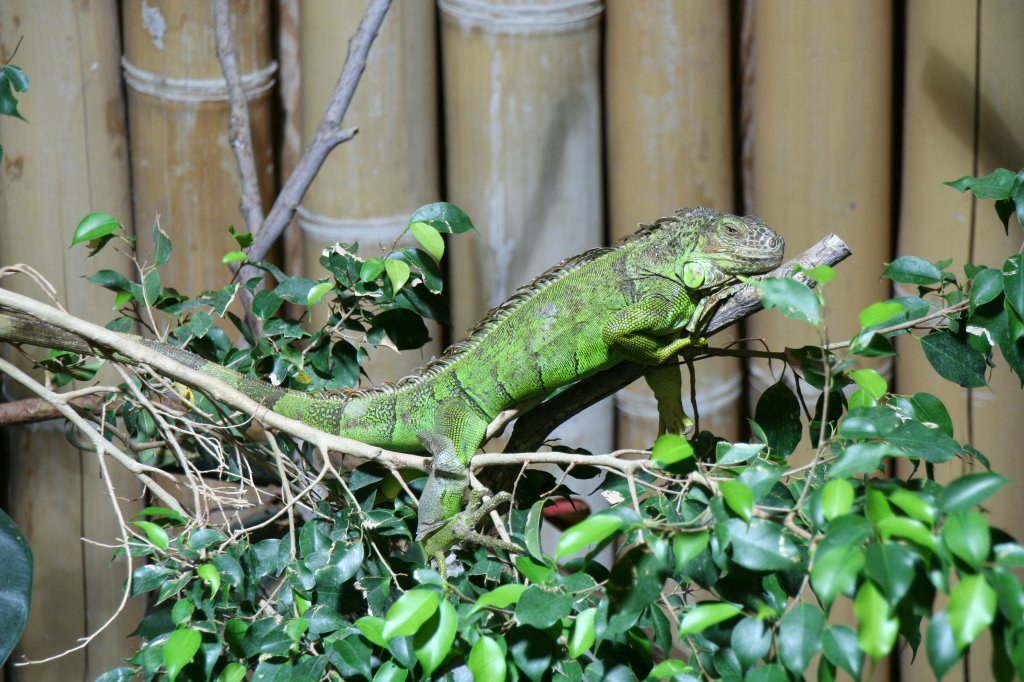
(157, 535)
(770, 672)
(762, 546)
(667, 670)
(94, 226)
(879, 312)
(836, 498)
(778, 415)
(429, 238)
(443, 217)
(702, 616)
(686, 546)
(182, 611)
(859, 458)
(1013, 282)
(12, 79)
(799, 636)
(371, 269)
(409, 612)
(972, 607)
(487, 661)
(995, 185)
(954, 359)
(372, 628)
(532, 533)
(151, 286)
(398, 273)
(15, 584)
(209, 575)
(389, 672)
(871, 381)
(727, 454)
(434, 640)
(940, 644)
(892, 567)
(179, 649)
(835, 571)
(148, 577)
(966, 534)
(930, 444)
(908, 529)
(985, 287)
(671, 448)
(590, 531)
(233, 257)
(582, 637)
(877, 631)
(914, 505)
(534, 572)
(912, 270)
(793, 299)
(542, 608)
(500, 597)
(317, 292)
(751, 641)
(161, 243)
(839, 644)
(739, 498)
(822, 274)
(232, 672)
(969, 491)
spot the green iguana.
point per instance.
(643, 301)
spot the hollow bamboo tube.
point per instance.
(368, 187)
(523, 122)
(70, 159)
(821, 149)
(183, 168)
(669, 137)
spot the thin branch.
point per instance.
(32, 410)
(251, 204)
(328, 133)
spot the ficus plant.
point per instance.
(730, 559)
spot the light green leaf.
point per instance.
(835, 571)
(317, 292)
(157, 535)
(389, 672)
(179, 649)
(370, 270)
(739, 498)
(582, 637)
(702, 616)
(409, 612)
(372, 628)
(590, 531)
(871, 381)
(182, 611)
(940, 644)
(879, 312)
(972, 607)
(877, 631)
(966, 534)
(429, 238)
(793, 299)
(735, 453)
(487, 661)
(434, 640)
(914, 505)
(209, 575)
(909, 529)
(822, 274)
(836, 498)
(500, 597)
(232, 672)
(233, 257)
(671, 448)
(95, 226)
(686, 546)
(669, 668)
(398, 273)
(541, 608)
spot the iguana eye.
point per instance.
(731, 230)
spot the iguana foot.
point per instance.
(462, 528)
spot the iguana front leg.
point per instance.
(667, 384)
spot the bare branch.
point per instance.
(533, 428)
(251, 203)
(32, 410)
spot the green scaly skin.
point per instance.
(643, 301)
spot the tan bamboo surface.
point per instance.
(670, 145)
(821, 149)
(961, 118)
(183, 168)
(369, 186)
(69, 160)
(523, 134)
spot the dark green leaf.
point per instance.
(859, 458)
(940, 645)
(868, 421)
(912, 270)
(892, 567)
(987, 285)
(762, 546)
(295, 289)
(404, 327)
(11, 78)
(835, 571)
(794, 299)
(969, 491)
(966, 535)
(161, 243)
(686, 546)
(799, 636)
(770, 672)
(542, 608)
(954, 359)
(751, 641)
(15, 584)
(531, 651)
(995, 185)
(110, 279)
(148, 577)
(736, 453)
(930, 444)
(1013, 282)
(839, 644)
(265, 303)
(443, 217)
(778, 414)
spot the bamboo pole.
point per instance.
(69, 160)
(669, 136)
(183, 168)
(523, 144)
(368, 188)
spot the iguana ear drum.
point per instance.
(693, 274)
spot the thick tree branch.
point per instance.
(533, 428)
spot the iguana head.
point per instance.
(728, 245)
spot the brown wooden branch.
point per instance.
(328, 135)
(533, 428)
(31, 410)
(251, 204)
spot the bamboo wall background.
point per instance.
(558, 125)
